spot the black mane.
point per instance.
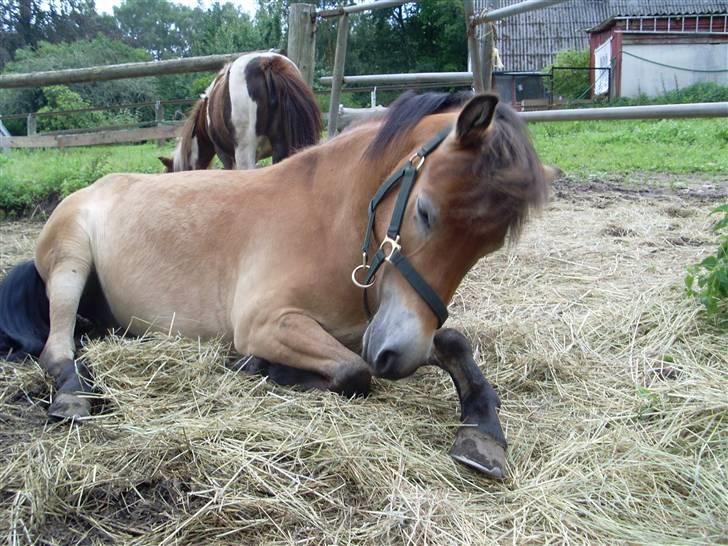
(408, 110)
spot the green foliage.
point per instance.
(708, 280)
(571, 84)
(201, 83)
(225, 28)
(270, 17)
(99, 51)
(26, 23)
(60, 97)
(161, 27)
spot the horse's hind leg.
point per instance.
(65, 283)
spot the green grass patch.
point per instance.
(30, 177)
(623, 147)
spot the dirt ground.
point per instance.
(613, 394)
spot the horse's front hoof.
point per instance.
(69, 406)
(479, 451)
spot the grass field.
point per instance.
(28, 178)
(622, 147)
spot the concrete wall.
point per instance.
(638, 76)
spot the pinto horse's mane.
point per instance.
(189, 129)
(509, 180)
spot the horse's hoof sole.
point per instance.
(69, 406)
(480, 452)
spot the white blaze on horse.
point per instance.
(256, 106)
(264, 258)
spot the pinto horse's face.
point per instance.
(473, 191)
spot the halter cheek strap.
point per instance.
(390, 248)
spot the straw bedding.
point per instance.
(614, 404)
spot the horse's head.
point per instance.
(168, 163)
(194, 149)
(472, 191)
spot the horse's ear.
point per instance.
(167, 162)
(552, 173)
(475, 118)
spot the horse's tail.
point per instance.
(24, 316)
(24, 323)
(298, 112)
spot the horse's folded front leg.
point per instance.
(294, 349)
(480, 442)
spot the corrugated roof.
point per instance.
(530, 41)
(626, 8)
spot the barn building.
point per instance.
(530, 41)
(659, 52)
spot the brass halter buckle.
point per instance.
(421, 161)
(394, 246)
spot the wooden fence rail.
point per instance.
(118, 71)
(90, 139)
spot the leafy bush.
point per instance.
(60, 97)
(571, 84)
(711, 275)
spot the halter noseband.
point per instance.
(390, 248)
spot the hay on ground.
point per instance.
(614, 404)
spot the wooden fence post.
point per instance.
(473, 50)
(302, 38)
(32, 124)
(487, 53)
(342, 37)
(159, 118)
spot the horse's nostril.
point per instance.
(386, 362)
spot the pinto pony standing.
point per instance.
(256, 106)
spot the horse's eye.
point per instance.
(424, 213)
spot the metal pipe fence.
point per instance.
(358, 8)
(515, 9)
(655, 111)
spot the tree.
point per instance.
(25, 23)
(161, 27)
(224, 28)
(271, 20)
(101, 50)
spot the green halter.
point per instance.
(390, 248)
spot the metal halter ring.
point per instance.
(365, 267)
